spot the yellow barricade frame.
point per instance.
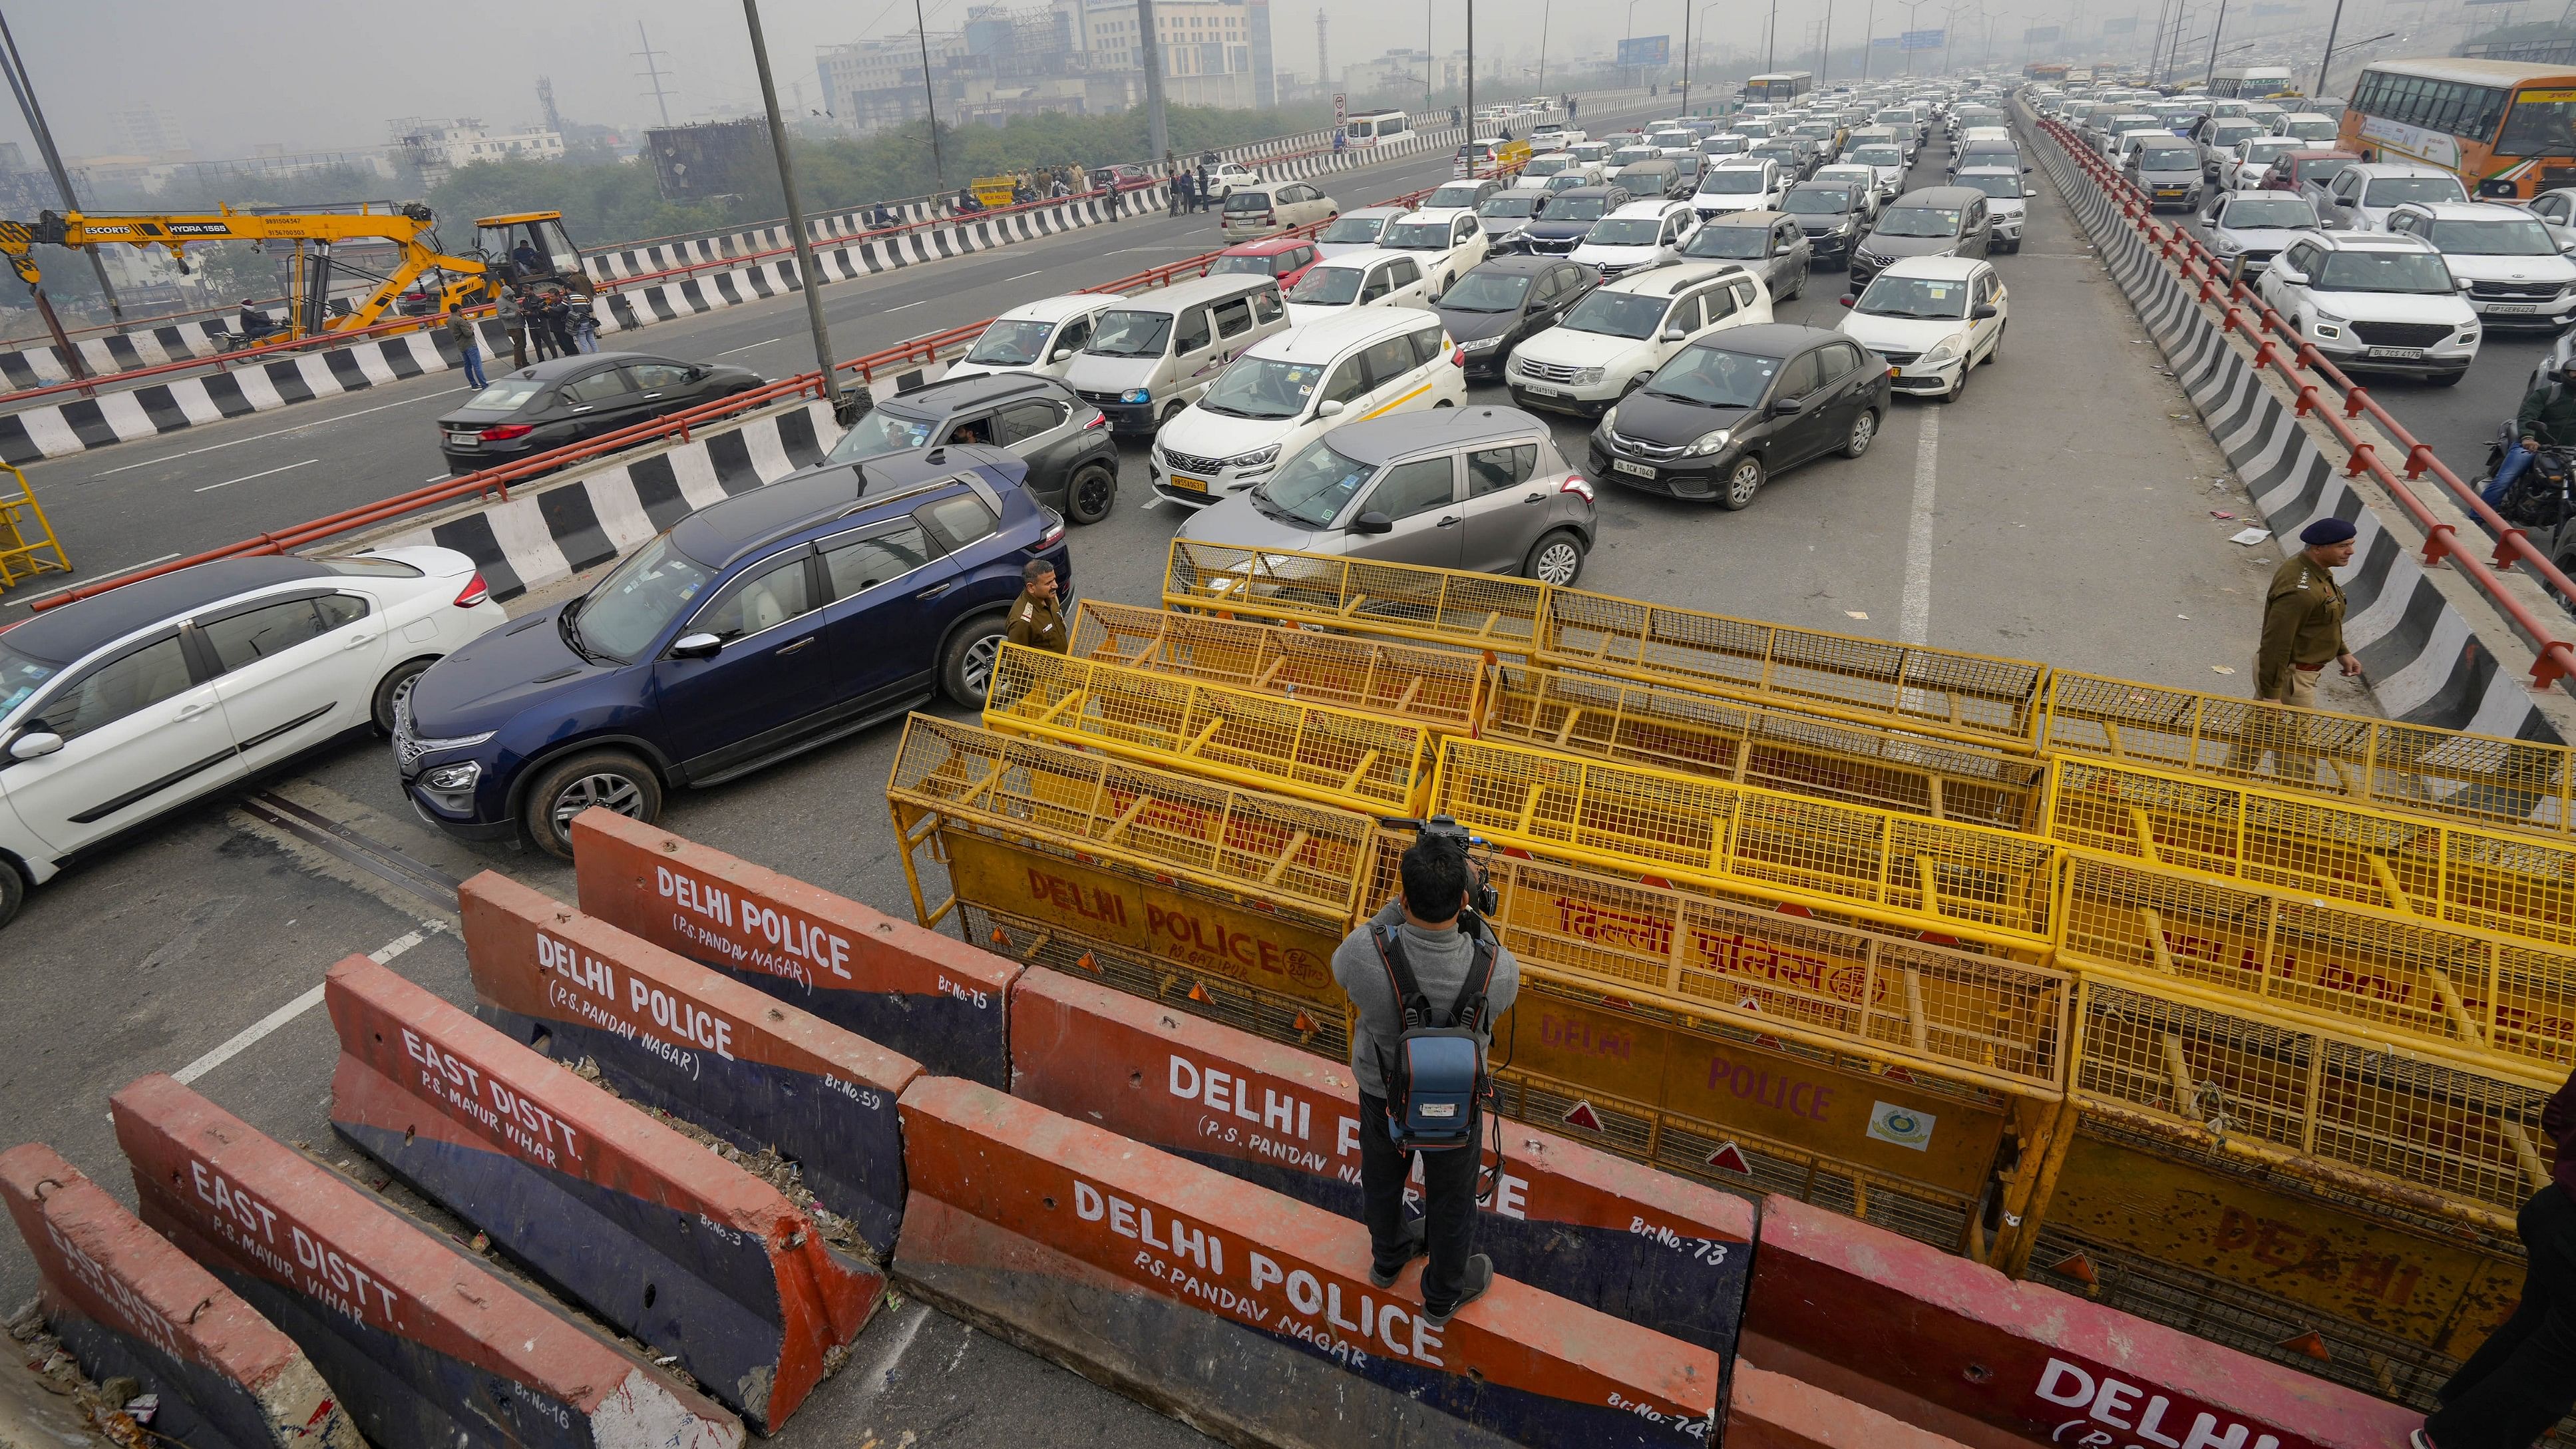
(1440, 689)
(1440, 606)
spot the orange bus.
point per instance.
(2507, 129)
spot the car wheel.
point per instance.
(966, 666)
(611, 779)
(1173, 410)
(392, 690)
(13, 892)
(1556, 559)
(1091, 494)
(1959, 389)
(1864, 431)
(1742, 482)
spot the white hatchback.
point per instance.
(1371, 278)
(1621, 332)
(1040, 336)
(1933, 319)
(1446, 243)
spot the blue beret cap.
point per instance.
(2325, 531)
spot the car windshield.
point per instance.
(1131, 334)
(1578, 208)
(1730, 243)
(1247, 201)
(2503, 236)
(1923, 298)
(1714, 378)
(1364, 230)
(1010, 344)
(21, 676)
(1327, 287)
(1617, 314)
(1263, 266)
(2268, 149)
(2168, 158)
(1262, 387)
(2251, 210)
(1419, 236)
(1312, 487)
(2322, 171)
(884, 430)
(2228, 133)
(1919, 221)
(2378, 271)
(640, 597)
(1731, 181)
(2004, 185)
(506, 395)
(1546, 165)
(1676, 139)
(2398, 190)
(1517, 204)
(1827, 201)
(1878, 156)
(1456, 193)
(2319, 130)
(1625, 231)
(1483, 291)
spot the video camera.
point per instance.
(1445, 830)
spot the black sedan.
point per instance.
(1740, 405)
(568, 400)
(1489, 310)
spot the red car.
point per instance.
(2292, 170)
(1284, 257)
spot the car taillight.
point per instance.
(1457, 357)
(1098, 420)
(1577, 484)
(503, 432)
(474, 592)
(1054, 534)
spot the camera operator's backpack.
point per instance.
(1437, 1076)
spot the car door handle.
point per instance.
(650, 396)
(792, 648)
(195, 708)
(1448, 522)
(585, 407)
(934, 591)
(356, 640)
(1533, 498)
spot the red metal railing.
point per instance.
(675, 427)
(2279, 348)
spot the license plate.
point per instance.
(1195, 485)
(1535, 391)
(464, 440)
(1640, 470)
(2165, 191)
(2398, 354)
(2513, 308)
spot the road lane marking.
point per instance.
(908, 306)
(1914, 613)
(746, 347)
(250, 1035)
(1024, 276)
(262, 437)
(247, 477)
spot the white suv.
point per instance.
(1639, 235)
(1621, 332)
(2375, 302)
(2516, 276)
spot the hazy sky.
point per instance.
(312, 75)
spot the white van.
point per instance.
(1151, 355)
(1291, 389)
(1041, 336)
(1373, 278)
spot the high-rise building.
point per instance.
(149, 129)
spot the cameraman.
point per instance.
(1431, 928)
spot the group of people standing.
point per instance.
(541, 322)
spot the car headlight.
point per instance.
(1136, 395)
(2322, 315)
(453, 779)
(420, 747)
(1942, 353)
(1586, 377)
(1254, 459)
(1610, 419)
(1707, 443)
(1481, 344)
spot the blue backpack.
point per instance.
(1436, 1079)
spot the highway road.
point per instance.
(2063, 511)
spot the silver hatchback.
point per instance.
(1480, 488)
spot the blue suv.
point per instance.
(755, 629)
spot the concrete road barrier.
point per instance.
(648, 1229)
(428, 1350)
(672, 1034)
(1947, 1343)
(929, 996)
(1630, 1241)
(1249, 1314)
(1765, 1410)
(126, 1303)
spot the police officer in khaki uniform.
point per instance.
(2303, 618)
(1034, 618)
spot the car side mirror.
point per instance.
(1060, 354)
(1984, 310)
(1372, 522)
(2025, 171)
(2287, 276)
(1847, 299)
(34, 744)
(1676, 334)
(1330, 407)
(1787, 406)
(696, 646)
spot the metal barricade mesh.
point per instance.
(1337, 757)
(2511, 884)
(1627, 818)
(1777, 748)
(1233, 839)
(1449, 606)
(2425, 986)
(1436, 688)
(1970, 696)
(2313, 1093)
(2519, 785)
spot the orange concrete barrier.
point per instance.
(1765, 1410)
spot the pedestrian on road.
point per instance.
(514, 321)
(1199, 189)
(469, 346)
(1034, 619)
(585, 330)
(2303, 618)
(2548, 415)
(559, 324)
(541, 341)
(1181, 182)
(1430, 951)
(2522, 1379)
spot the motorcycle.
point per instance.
(2544, 497)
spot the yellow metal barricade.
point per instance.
(2515, 885)
(2481, 780)
(27, 543)
(1990, 700)
(1334, 757)
(1777, 748)
(1436, 688)
(1991, 886)
(1442, 606)
(2414, 987)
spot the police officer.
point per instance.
(1440, 940)
(1034, 620)
(2303, 618)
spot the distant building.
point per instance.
(437, 147)
(151, 130)
(1399, 74)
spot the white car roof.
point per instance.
(1935, 269)
(1361, 258)
(1374, 213)
(2371, 241)
(2381, 169)
(2467, 210)
(1056, 309)
(1330, 338)
(1438, 213)
(1650, 208)
(1665, 281)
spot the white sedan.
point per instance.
(121, 707)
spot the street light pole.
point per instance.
(1825, 50)
(1158, 136)
(929, 97)
(1868, 37)
(809, 280)
(24, 86)
(1771, 38)
(2325, 58)
(2214, 32)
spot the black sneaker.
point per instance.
(1480, 1276)
(1417, 1244)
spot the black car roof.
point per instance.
(1586, 191)
(975, 391)
(62, 635)
(1766, 339)
(1517, 262)
(560, 367)
(1941, 196)
(722, 532)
